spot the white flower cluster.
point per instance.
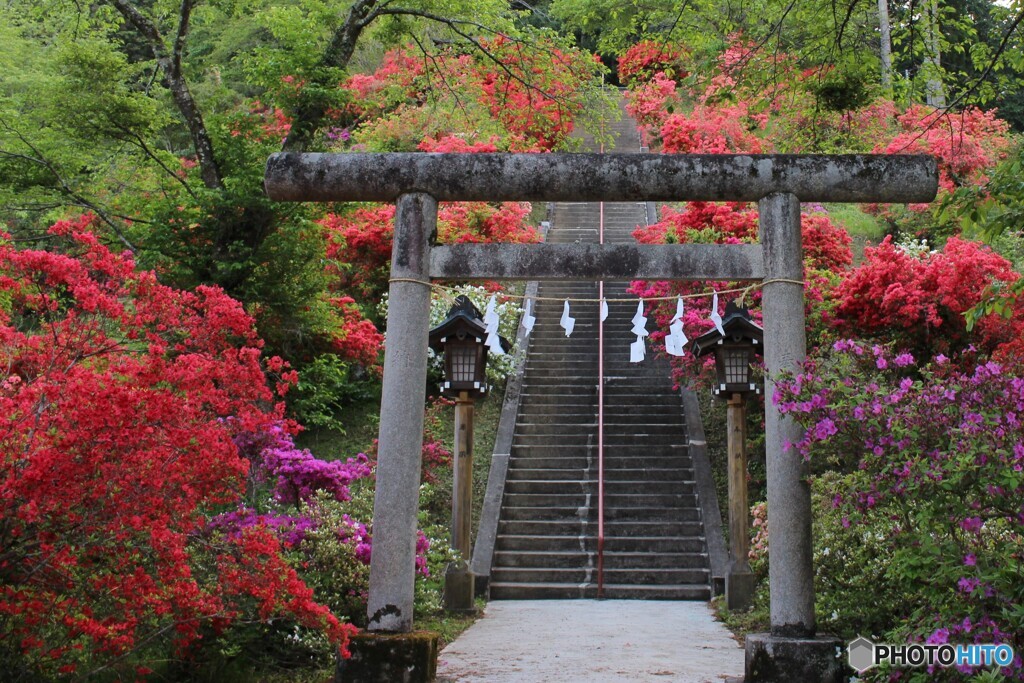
(915, 247)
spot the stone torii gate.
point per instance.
(418, 181)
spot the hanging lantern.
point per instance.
(734, 351)
(461, 339)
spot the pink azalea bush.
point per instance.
(929, 461)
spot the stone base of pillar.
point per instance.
(773, 659)
(390, 658)
(459, 589)
(739, 590)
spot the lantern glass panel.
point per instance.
(463, 358)
(737, 365)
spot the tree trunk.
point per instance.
(170, 63)
(308, 115)
(935, 94)
(885, 46)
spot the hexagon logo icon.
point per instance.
(861, 654)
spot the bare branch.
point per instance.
(992, 62)
(339, 51)
(454, 25)
(185, 15)
(141, 143)
(170, 64)
(429, 59)
(41, 160)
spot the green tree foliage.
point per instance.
(977, 45)
(158, 116)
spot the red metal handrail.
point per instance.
(600, 418)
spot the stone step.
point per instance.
(668, 474)
(625, 441)
(547, 380)
(580, 463)
(588, 591)
(575, 400)
(628, 456)
(572, 501)
(626, 478)
(611, 486)
(582, 440)
(557, 429)
(588, 543)
(645, 575)
(617, 529)
(567, 399)
(613, 500)
(612, 463)
(569, 513)
(537, 559)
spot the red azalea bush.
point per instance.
(517, 97)
(710, 130)
(826, 256)
(965, 143)
(720, 115)
(535, 91)
(919, 301)
(359, 244)
(647, 59)
(119, 401)
(358, 339)
(359, 249)
(649, 104)
(457, 144)
(394, 82)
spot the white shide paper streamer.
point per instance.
(675, 342)
(567, 322)
(637, 350)
(528, 318)
(491, 322)
(715, 317)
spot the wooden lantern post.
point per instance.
(734, 351)
(461, 339)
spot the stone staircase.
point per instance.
(546, 545)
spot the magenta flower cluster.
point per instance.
(295, 475)
(291, 529)
(938, 450)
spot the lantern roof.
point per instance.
(738, 327)
(463, 318)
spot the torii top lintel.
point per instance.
(601, 177)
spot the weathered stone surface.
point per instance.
(711, 514)
(790, 573)
(390, 658)
(487, 531)
(594, 261)
(459, 592)
(396, 499)
(739, 589)
(770, 659)
(600, 177)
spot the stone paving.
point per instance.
(593, 641)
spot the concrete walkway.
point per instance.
(592, 641)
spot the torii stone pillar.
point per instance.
(790, 652)
(400, 442)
